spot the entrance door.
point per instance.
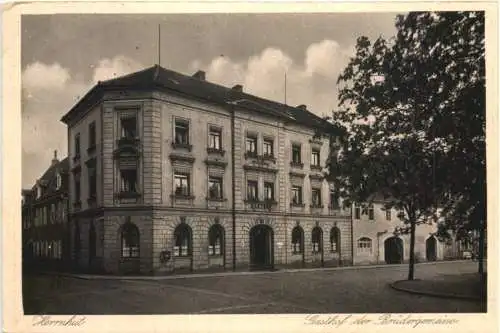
(261, 247)
(430, 249)
(393, 248)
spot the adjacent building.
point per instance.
(171, 173)
(45, 232)
(376, 243)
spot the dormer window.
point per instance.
(38, 192)
(58, 181)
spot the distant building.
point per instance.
(376, 243)
(45, 232)
(171, 173)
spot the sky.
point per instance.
(63, 56)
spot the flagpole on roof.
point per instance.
(285, 87)
(159, 45)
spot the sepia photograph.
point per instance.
(254, 163)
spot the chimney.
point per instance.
(55, 160)
(199, 75)
(302, 107)
(237, 87)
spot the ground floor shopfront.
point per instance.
(176, 241)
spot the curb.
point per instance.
(394, 286)
(222, 274)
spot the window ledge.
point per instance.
(316, 206)
(216, 199)
(297, 165)
(316, 167)
(216, 151)
(126, 141)
(292, 204)
(182, 146)
(127, 195)
(250, 155)
(180, 196)
(91, 149)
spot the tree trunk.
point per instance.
(411, 270)
(481, 249)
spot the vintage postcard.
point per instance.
(249, 166)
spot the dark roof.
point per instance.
(49, 177)
(157, 77)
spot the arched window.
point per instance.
(297, 240)
(316, 237)
(335, 239)
(130, 241)
(215, 240)
(183, 240)
(365, 245)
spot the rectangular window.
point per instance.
(357, 212)
(53, 213)
(77, 188)
(128, 179)
(181, 184)
(181, 132)
(251, 145)
(334, 200)
(268, 148)
(252, 190)
(316, 197)
(129, 127)
(315, 158)
(92, 182)
(297, 195)
(214, 138)
(268, 191)
(215, 188)
(388, 214)
(92, 135)
(371, 212)
(296, 153)
(77, 145)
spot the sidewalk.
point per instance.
(231, 273)
(464, 286)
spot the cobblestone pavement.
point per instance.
(332, 291)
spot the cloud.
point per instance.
(322, 58)
(312, 82)
(110, 68)
(41, 76)
(48, 92)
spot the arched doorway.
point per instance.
(261, 247)
(430, 249)
(393, 248)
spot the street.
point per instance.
(323, 291)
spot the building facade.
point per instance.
(45, 227)
(171, 173)
(376, 243)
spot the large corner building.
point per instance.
(171, 173)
